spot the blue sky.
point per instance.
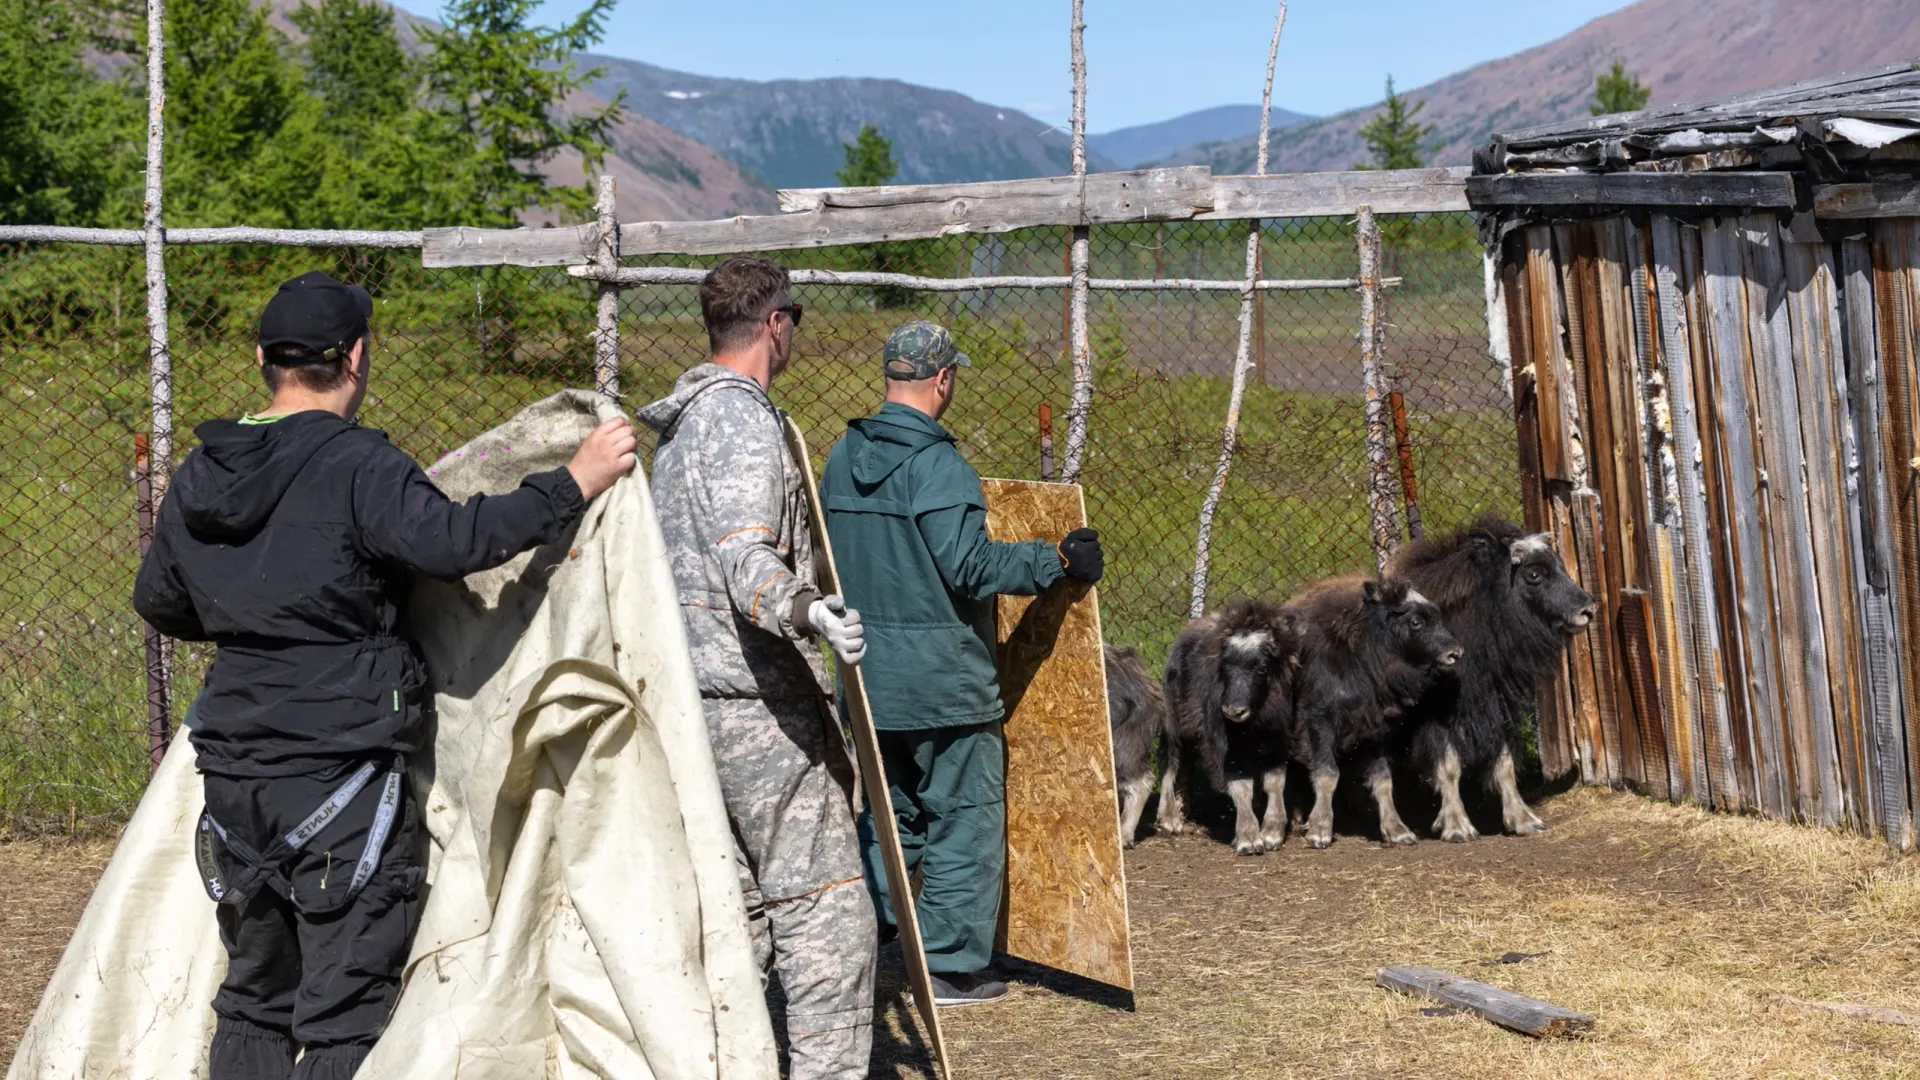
(1147, 60)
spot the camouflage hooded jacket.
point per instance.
(733, 510)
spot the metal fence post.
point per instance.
(1242, 359)
(606, 330)
(1082, 401)
(159, 651)
(1385, 526)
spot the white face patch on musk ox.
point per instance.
(1528, 546)
(1252, 641)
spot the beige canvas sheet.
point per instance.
(584, 917)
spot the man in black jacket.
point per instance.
(289, 539)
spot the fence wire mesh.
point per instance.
(458, 351)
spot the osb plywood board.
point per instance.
(1066, 898)
(873, 776)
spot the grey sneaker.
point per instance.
(970, 989)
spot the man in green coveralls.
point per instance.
(908, 523)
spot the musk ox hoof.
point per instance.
(1248, 847)
(1403, 837)
(1460, 836)
(1272, 841)
(1530, 828)
(1319, 841)
(1170, 828)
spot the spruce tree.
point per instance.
(869, 161)
(1395, 135)
(1616, 91)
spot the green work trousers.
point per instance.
(949, 793)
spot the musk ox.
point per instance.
(1368, 653)
(1136, 713)
(1228, 682)
(1509, 600)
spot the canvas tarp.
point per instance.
(583, 915)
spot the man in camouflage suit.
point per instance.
(733, 510)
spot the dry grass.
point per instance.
(1678, 929)
(43, 887)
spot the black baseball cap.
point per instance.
(318, 312)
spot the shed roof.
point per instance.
(1868, 110)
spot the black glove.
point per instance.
(1080, 554)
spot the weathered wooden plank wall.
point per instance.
(1721, 427)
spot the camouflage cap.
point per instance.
(920, 350)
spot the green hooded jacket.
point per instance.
(909, 529)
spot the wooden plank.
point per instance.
(1546, 360)
(1695, 567)
(1725, 753)
(990, 207)
(1895, 264)
(1582, 686)
(1552, 714)
(1813, 313)
(1630, 189)
(1871, 505)
(1098, 198)
(1756, 732)
(1066, 895)
(1338, 194)
(873, 775)
(1807, 717)
(1654, 469)
(1586, 350)
(1640, 680)
(1622, 338)
(1878, 199)
(1529, 1016)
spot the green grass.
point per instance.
(458, 352)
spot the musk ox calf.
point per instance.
(1228, 681)
(1369, 652)
(1509, 600)
(1136, 713)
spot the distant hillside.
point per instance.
(1132, 146)
(659, 175)
(789, 132)
(1684, 49)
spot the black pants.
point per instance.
(320, 977)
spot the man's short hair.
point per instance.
(311, 370)
(736, 295)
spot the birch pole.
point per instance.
(1385, 526)
(159, 651)
(606, 328)
(1082, 401)
(1242, 358)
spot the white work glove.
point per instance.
(832, 619)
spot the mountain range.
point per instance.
(1684, 50)
(1133, 146)
(694, 146)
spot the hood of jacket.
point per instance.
(881, 443)
(663, 414)
(230, 486)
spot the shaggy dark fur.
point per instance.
(1228, 685)
(1508, 598)
(1137, 712)
(1370, 650)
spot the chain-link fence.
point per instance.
(457, 351)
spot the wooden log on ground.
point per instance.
(1516, 1012)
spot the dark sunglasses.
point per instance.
(793, 312)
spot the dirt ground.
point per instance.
(1682, 932)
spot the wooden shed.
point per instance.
(1712, 316)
